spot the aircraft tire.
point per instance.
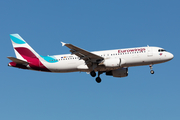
(98, 79)
(152, 71)
(93, 73)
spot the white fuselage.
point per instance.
(111, 62)
(132, 57)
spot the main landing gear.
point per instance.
(93, 74)
(152, 71)
(98, 79)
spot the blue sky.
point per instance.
(91, 25)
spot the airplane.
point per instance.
(111, 62)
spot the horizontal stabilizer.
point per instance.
(18, 61)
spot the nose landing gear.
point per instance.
(152, 71)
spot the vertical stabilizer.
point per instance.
(21, 48)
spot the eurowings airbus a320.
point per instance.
(111, 62)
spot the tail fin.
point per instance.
(22, 50)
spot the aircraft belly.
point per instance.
(63, 66)
(141, 60)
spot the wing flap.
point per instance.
(18, 61)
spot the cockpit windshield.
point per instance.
(161, 50)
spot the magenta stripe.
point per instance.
(35, 63)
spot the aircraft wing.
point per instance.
(18, 61)
(83, 54)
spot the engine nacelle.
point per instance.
(122, 72)
(113, 62)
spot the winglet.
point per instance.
(63, 43)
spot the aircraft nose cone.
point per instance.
(170, 56)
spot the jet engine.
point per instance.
(114, 62)
(122, 72)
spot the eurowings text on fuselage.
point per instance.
(112, 62)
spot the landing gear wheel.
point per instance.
(98, 79)
(93, 73)
(152, 71)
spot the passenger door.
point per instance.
(149, 51)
